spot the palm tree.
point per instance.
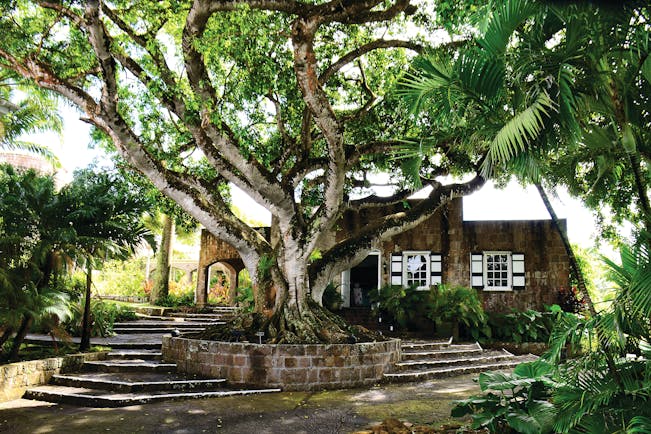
(501, 98)
(105, 214)
(30, 242)
(34, 113)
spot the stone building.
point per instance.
(517, 264)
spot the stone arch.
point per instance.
(231, 272)
(215, 251)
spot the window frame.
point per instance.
(428, 259)
(509, 263)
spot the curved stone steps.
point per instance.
(425, 364)
(102, 398)
(424, 360)
(141, 382)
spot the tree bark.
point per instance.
(5, 336)
(574, 265)
(645, 207)
(161, 286)
(86, 320)
(20, 336)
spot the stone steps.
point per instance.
(133, 373)
(136, 382)
(101, 398)
(182, 320)
(146, 324)
(150, 354)
(202, 316)
(426, 364)
(437, 359)
(449, 372)
(128, 365)
(134, 345)
(426, 345)
(154, 330)
(448, 353)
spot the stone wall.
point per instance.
(290, 367)
(546, 262)
(15, 378)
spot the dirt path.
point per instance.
(327, 412)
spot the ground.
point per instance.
(327, 412)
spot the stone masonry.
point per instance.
(446, 233)
(292, 367)
(15, 378)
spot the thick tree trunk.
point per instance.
(574, 265)
(86, 325)
(20, 336)
(161, 286)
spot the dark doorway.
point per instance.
(364, 279)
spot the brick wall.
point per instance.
(292, 367)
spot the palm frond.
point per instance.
(428, 75)
(506, 18)
(517, 133)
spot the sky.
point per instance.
(489, 203)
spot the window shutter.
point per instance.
(436, 269)
(517, 260)
(396, 269)
(477, 270)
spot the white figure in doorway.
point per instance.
(357, 295)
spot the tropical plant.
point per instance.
(121, 277)
(407, 308)
(513, 402)
(610, 395)
(104, 216)
(31, 244)
(185, 298)
(523, 326)
(605, 389)
(36, 111)
(103, 314)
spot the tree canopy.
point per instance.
(289, 100)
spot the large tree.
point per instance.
(283, 98)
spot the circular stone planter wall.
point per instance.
(290, 367)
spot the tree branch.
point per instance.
(364, 49)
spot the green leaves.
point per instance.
(507, 16)
(518, 132)
(520, 404)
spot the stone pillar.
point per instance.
(201, 292)
(232, 273)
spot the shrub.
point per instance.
(122, 278)
(244, 298)
(522, 326)
(103, 316)
(177, 298)
(332, 299)
(413, 309)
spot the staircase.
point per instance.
(425, 360)
(133, 372)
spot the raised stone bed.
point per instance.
(290, 367)
(15, 378)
